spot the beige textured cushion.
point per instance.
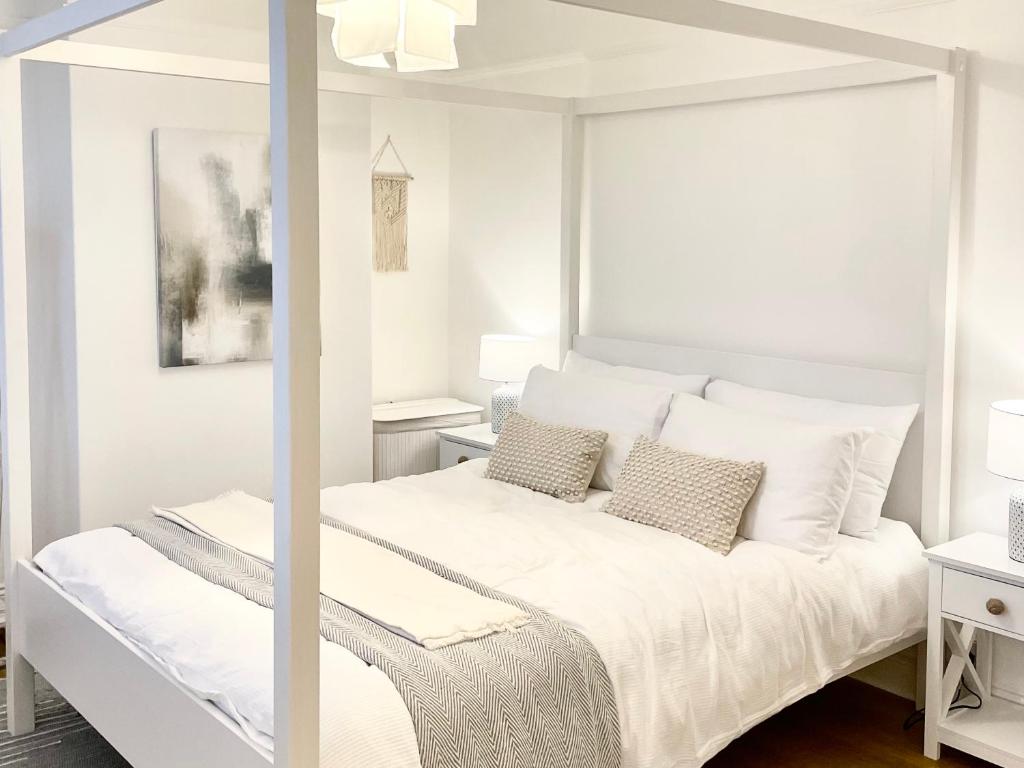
(695, 496)
(558, 461)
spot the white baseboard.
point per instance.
(896, 674)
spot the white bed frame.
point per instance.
(90, 659)
(149, 717)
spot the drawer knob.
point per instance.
(995, 606)
(466, 458)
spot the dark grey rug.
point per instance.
(62, 739)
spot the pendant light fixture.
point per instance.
(419, 33)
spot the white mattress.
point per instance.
(699, 647)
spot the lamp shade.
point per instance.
(506, 358)
(1006, 439)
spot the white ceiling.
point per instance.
(511, 34)
(509, 31)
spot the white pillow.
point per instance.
(691, 384)
(889, 425)
(808, 469)
(625, 411)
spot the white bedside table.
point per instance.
(464, 443)
(974, 591)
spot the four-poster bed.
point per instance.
(106, 678)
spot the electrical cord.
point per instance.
(917, 716)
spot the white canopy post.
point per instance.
(572, 191)
(943, 299)
(14, 390)
(295, 217)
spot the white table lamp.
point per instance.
(505, 359)
(1006, 459)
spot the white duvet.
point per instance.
(699, 647)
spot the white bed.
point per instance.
(699, 647)
(150, 717)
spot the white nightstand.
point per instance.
(974, 591)
(464, 443)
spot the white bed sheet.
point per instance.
(699, 647)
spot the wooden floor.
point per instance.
(846, 725)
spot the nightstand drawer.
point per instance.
(452, 453)
(983, 601)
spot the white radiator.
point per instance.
(405, 434)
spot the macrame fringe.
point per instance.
(390, 224)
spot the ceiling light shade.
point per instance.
(465, 11)
(364, 28)
(420, 33)
(429, 30)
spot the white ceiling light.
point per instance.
(420, 33)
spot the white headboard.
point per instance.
(835, 382)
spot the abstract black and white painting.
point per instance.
(213, 246)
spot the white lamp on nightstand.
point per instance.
(505, 359)
(1006, 459)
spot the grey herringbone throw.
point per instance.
(535, 697)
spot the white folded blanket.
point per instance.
(379, 584)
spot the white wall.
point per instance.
(793, 227)
(505, 237)
(410, 309)
(200, 430)
(168, 436)
(115, 434)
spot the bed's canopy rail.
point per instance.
(292, 77)
(65, 21)
(736, 19)
(209, 68)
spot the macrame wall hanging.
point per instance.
(390, 215)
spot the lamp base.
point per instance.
(504, 402)
(1016, 532)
